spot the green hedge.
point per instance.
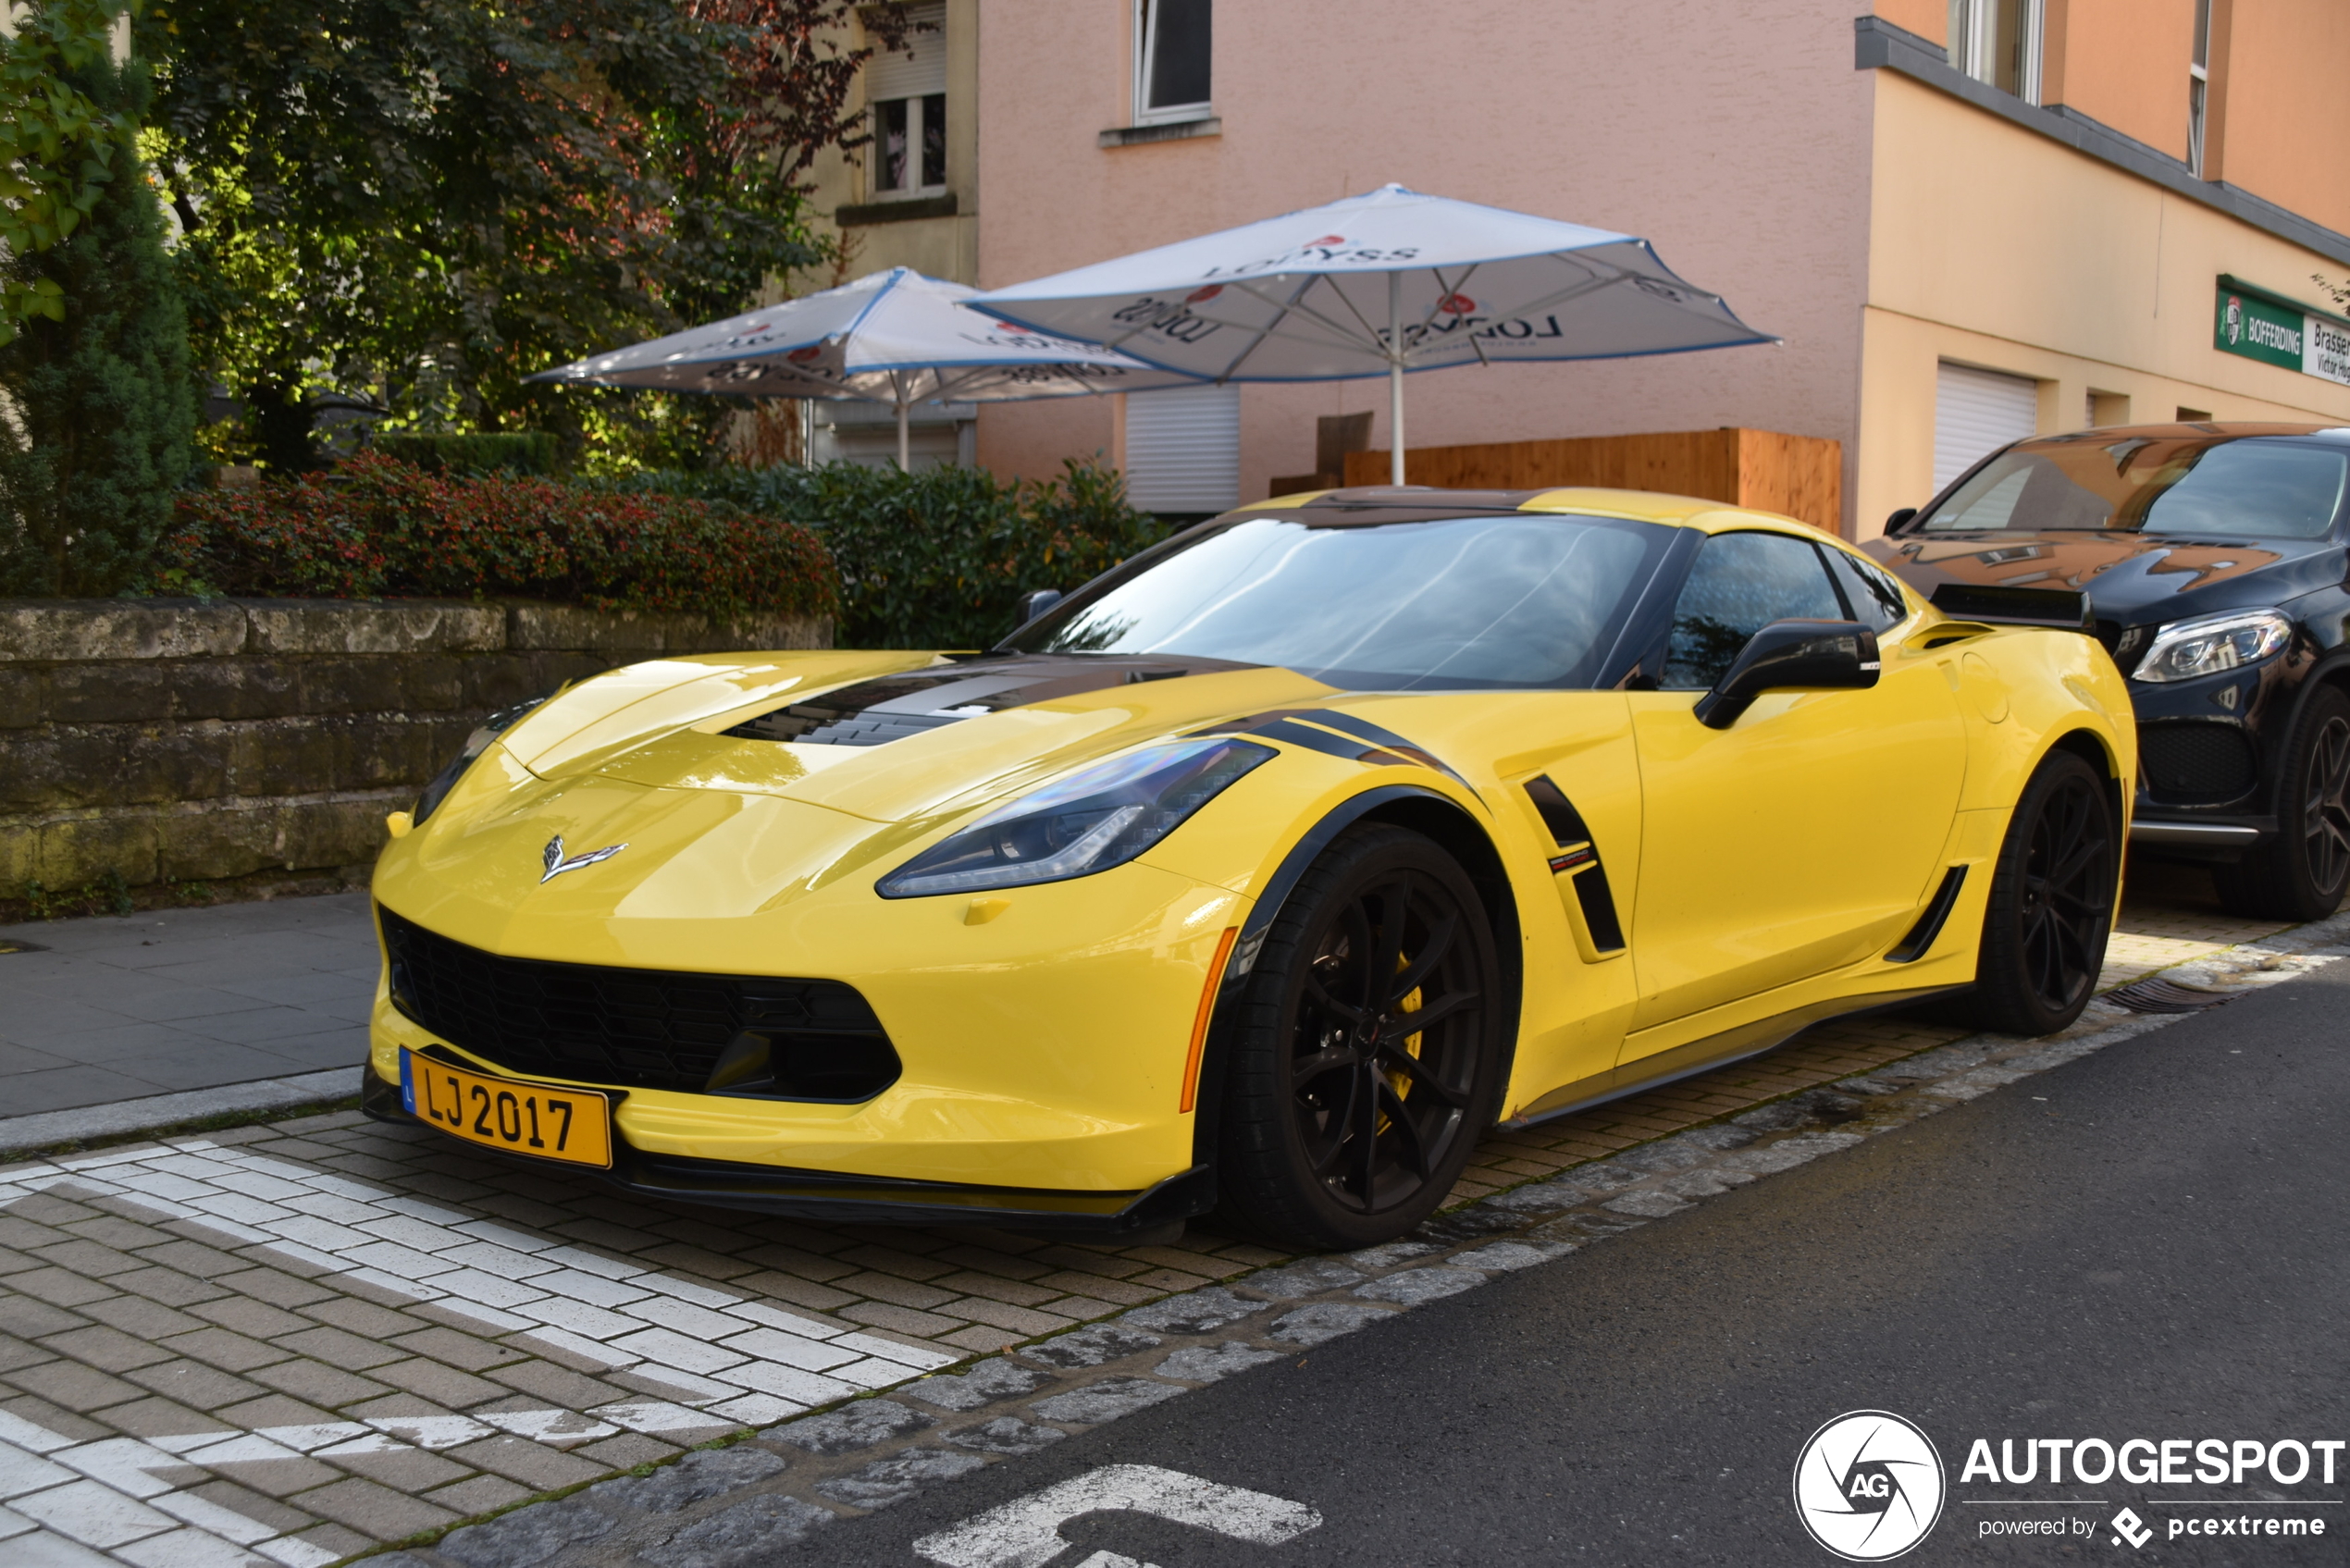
(379, 528)
(939, 558)
(494, 451)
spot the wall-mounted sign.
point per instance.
(2272, 329)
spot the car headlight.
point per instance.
(2209, 644)
(1087, 822)
(489, 729)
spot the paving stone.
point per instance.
(1212, 1364)
(1789, 1152)
(1410, 1287)
(1193, 1312)
(194, 1258)
(167, 1286)
(373, 1509)
(1704, 1183)
(983, 1384)
(1586, 1185)
(708, 1474)
(1649, 1205)
(109, 1350)
(1105, 1400)
(555, 1385)
(1006, 1435)
(1509, 1256)
(229, 1352)
(338, 1349)
(160, 1418)
(477, 1495)
(27, 1318)
(59, 1287)
(1392, 1254)
(407, 1471)
(858, 1425)
(243, 1315)
(92, 1260)
(1091, 1347)
(892, 1480)
(85, 1388)
(741, 1537)
(274, 1286)
(463, 1351)
(1308, 1278)
(442, 1385)
(317, 1382)
(533, 1465)
(1320, 1322)
(526, 1535)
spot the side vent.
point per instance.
(1912, 947)
(1577, 859)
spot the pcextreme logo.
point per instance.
(1869, 1486)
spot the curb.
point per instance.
(158, 1113)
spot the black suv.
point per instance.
(2213, 557)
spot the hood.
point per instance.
(2132, 579)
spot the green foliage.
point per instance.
(109, 894)
(382, 528)
(100, 397)
(59, 146)
(939, 558)
(427, 200)
(494, 451)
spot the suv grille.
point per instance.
(645, 1028)
(2194, 761)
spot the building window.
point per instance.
(907, 90)
(1997, 41)
(2199, 86)
(1171, 49)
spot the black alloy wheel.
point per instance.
(2051, 903)
(2302, 873)
(1364, 1062)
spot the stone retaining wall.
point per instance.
(166, 742)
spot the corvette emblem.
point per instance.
(552, 858)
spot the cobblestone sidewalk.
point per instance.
(294, 1342)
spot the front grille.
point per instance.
(2190, 763)
(642, 1028)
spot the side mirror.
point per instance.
(1899, 520)
(1792, 656)
(1034, 603)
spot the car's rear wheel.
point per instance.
(2052, 905)
(2302, 873)
(1364, 1057)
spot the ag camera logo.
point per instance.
(1869, 1486)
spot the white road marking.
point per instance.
(1025, 1533)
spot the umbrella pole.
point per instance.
(905, 445)
(1395, 377)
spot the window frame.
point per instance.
(916, 125)
(1145, 46)
(1975, 35)
(2199, 89)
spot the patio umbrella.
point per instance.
(1379, 284)
(896, 336)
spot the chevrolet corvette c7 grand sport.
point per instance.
(1259, 875)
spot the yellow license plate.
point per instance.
(571, 1125)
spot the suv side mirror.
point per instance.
(1035, 603)
(1792, 656)
(1899, 520)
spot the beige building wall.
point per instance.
(1735, 138)
(2002, 249)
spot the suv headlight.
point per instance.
(1087, 822)
(2209, 644)
(489, 729)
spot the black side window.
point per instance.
(1741, 582)
(1876, 598)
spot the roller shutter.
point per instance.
(1183, 449)
(920, 69)
(1976, 411)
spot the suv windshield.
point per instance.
(1516, 600)
(2235, 487)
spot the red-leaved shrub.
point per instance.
(379, 528)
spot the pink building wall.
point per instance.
(1735, 138)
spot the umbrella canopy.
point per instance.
(896, 336)
(1379, 284)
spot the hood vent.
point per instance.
(876, 712)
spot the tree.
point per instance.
(97, 403)
(433, 199)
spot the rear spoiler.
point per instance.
(2059, 609)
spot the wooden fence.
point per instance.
(1800, 475)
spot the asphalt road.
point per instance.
(2150, 1242)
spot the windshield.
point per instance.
(2246, 488)
(1509, 601)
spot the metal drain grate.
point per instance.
(2162, 996)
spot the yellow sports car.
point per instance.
(1260, 874)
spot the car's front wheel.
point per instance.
(2052, 905)
(2302, 873)
(1365, 1054)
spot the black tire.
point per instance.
(2051, 907)
(1338, 1129)
(2302, 873)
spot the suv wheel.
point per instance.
(1364, 1060)
(2302, 873)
